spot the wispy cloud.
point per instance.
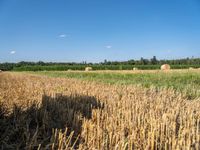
(108, 46)
(63, 35)
(12, 52)
(169, 51)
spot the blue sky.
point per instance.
(94, 30)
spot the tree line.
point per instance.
(143, 63)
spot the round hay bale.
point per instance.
(135, 68)
(191, 68)
(69, 70)
(165, 67)
(88, 68)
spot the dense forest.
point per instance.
(143, 63)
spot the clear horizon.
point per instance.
(93, 62)
(116, 30)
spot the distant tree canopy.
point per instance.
(143, 63)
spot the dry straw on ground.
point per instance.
(86, 115)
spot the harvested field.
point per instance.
(39, 112)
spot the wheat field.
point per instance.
(39, 112)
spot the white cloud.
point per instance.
(12, 52)
(169, 51)
(108, 46)
(63, 35)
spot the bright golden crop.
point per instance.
(55, 113)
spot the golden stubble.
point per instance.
(127, 117)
